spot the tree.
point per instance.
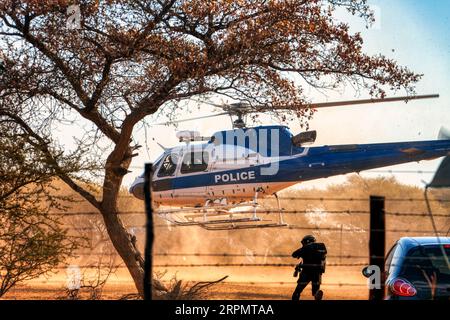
(32, 240)
(129, 58)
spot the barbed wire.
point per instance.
(217, 265)
(209, 265)
(294, 280)
(322, 199)
(204, 265)
(288, 227)
(323, 284)
(272, 211)
(262, 255)
(291, 265)
(224, 255)
(365, 171)
(242, 255)
(416, 214)
(296, 227)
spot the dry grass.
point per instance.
(184, 290)
(235, 287)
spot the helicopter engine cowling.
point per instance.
(303, 138)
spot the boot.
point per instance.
(318, 295)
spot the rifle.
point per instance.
(298, 268)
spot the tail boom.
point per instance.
(323, 162)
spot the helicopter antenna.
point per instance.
(160, 145)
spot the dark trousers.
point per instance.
(303, 280)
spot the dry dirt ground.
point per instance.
(249, 284)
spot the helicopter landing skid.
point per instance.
(217, 215)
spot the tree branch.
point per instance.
(51, 160)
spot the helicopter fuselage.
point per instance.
(264, 161)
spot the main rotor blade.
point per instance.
(343, 103)
(312, 105)
(368, 101)
(208, 102)
(189, 119)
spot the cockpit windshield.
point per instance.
(168, 165)
(155, 164)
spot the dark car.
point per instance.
(416, 269)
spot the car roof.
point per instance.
(409, 242)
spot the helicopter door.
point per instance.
(193, 168)
(229, 159)
(163, 177)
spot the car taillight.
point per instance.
(403, 288)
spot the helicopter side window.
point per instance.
(194, 162)
(168, 166)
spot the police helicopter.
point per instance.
(215, 181)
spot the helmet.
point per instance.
(308, 239)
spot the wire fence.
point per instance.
(390, 171)
(293, 212)
(219, 264)
(297, 198)
(304, 212)
(287, 227)
(164, 259)
(204, 265)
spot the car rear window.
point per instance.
(389, 257)
(427, 262)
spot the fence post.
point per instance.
(377, 242)
(340, 243)
(149, 232)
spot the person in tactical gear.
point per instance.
(313, 256)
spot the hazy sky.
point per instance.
(414, 33)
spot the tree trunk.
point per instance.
(122, 240)
(125, 244)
